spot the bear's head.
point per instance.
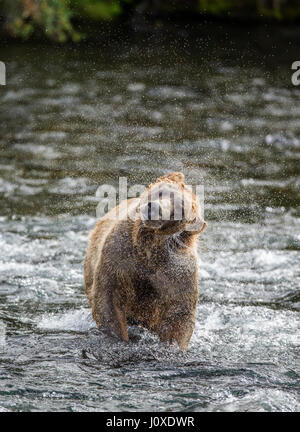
(168, 206)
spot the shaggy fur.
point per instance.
(146, 271)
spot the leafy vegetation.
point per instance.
(51, 18)
(58, 19)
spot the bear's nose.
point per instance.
(154, 210)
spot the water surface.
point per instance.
(227, 116)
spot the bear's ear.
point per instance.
(177, 177)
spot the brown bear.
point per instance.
(141, 266)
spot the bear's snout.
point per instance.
(152, 211)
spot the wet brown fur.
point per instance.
(133, 272)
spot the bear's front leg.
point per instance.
(177, 327)
(108, 310)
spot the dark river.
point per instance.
(221, 108)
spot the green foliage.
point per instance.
(51, 18)
(214, 7)
(97, 10)
(271, 9)
(55, 19)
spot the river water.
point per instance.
(219, 108)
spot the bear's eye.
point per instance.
(160, 194)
